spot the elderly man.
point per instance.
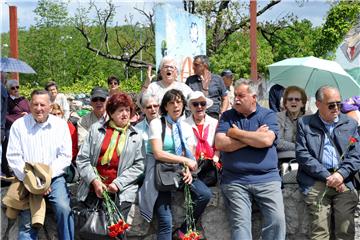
(328, 161)
(228, 79)
(246, 136)
(43, 138)
(210, 84)
(98, 97)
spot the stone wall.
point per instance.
(214, 220)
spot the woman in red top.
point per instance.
(117, 152)
(57, 111)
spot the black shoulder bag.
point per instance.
(168, 176)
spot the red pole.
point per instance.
(253, 45)
(14, 52)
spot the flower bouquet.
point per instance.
(116, 224)
(191, 233)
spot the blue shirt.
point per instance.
(250, 165)
(330, 156)
(216, 91)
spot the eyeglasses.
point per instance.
(152, 106)
(113, 83)
(290, 99)
(15, 87)
(332, 105)
(196, 104)
(168, 67)
(97, 99)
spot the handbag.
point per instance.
(288, 171)
(208, 173)
(91, 220)
(168, 176)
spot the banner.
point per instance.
(180, 35)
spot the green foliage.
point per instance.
(340, 20)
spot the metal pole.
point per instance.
(253, 45)
(14, 47)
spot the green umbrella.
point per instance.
(310, 73)
(355, 73)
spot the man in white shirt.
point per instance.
(43, 138)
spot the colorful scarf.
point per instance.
(179, 139)
(203, 148)
(112, 145)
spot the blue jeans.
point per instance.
(268, 196)
(200, 195)
(59, 199)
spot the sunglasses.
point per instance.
(152, 106)
(196, 104)
(113, 83)
(290, 99)
(15, 87)
(332, 105)
(97, 99)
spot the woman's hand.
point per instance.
(192, 164)
(99, 187)
(113, 188)
(187, 176)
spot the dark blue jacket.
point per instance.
(310, 145)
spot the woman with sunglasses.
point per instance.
(115, 148)
(17, 106)
(203, 128)
(113, 85)
(175, 147)
(294, 102)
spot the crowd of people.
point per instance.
(212, 126)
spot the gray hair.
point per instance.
(40, 92)
(167, 59)
(204, 59)
(319, 95)
(252, 86)
(10, 83)
(146, 97)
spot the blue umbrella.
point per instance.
(15, 65)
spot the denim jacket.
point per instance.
(310, 145)
(131, 165)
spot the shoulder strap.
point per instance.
(163, 126)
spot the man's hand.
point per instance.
(99, 187)
(263, 128)
(47, 192)
(113, 188)
(341, 188)
(334, 180)
(232, 131)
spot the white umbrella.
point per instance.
(310, 73)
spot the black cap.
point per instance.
(227, 73)
(99, 92)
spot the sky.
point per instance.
(315, 11)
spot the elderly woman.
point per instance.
(58, 98)
(17, 107)
(117, 152)
(168, 73)
(294, 101)
(149, 104)
(172, 147)
(203, 127)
